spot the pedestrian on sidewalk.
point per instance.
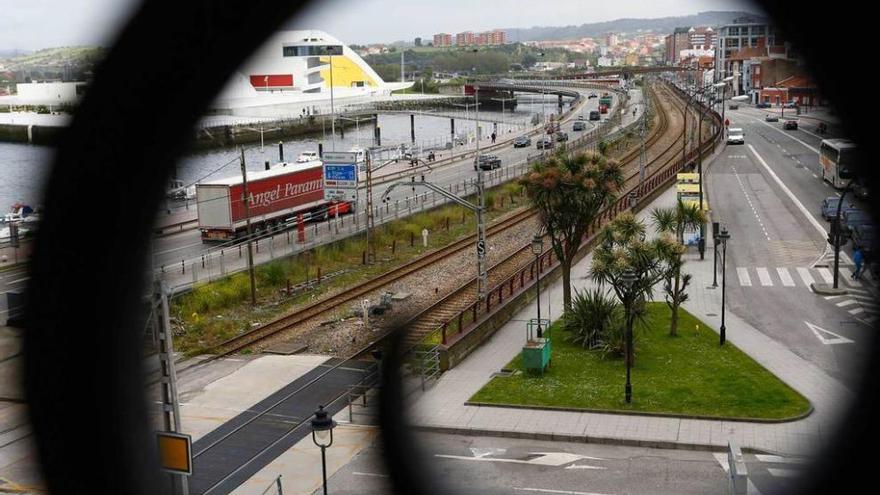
(493, 138)
(858, 259)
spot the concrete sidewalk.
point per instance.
(442, 407)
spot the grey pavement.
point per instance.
(442, 406)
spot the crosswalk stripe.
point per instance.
(784, 473)
(764, 275)
(743, 274)
(826, 275)
(805, 276)
(847, 274)
(856, 311)
(785, 277)
(781, 460)
(863, 298)
(848, 302)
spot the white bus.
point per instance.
(836, 157)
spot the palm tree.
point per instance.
(569, 191)
(675, 221)
(623, 246)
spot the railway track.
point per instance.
(421, 326)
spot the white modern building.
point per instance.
(293, 73)
(45, 93)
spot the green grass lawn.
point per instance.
(685, 375)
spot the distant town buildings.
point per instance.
(443, 39)
(469, 38)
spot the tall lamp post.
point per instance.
(628, 278)
(724, 235)
(322, 435)
(537, 249)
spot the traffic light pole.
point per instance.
(835, 232)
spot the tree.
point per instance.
(623, 247)
(595, 321)
(675, 221)
(569, 191)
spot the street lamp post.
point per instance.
(537, 249)
(724, 235)
(628, 278)
(322, 435)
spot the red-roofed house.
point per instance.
(799, 89)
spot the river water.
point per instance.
(23, 168)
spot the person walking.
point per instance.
(858, 259)
(493, 138)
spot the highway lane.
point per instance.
(170, 250)
(776, 239)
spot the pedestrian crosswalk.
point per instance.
(859, 300)
(783, 276)
(780, 469)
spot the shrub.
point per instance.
(594, 320)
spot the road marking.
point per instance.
(785, 277)
(821, 332)
(848, 277)
(764, 275)
(805, 276)
(356, 473)
(543, 459)
(584, 466)
(826, 275)
(547, 490)
(856, 311)
(784, 473)
(781, 460)
(848, 302)
(11, 282)
(814, 150)
(743, 274)
(790, 194)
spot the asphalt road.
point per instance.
(492, 465)
(170, 250)
(768, 193)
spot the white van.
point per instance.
(735, 136)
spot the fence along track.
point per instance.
(451, 313)
(313, 310)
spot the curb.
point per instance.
(614, 412)
(827, 290)
(572, 438)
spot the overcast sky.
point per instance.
(34, 24)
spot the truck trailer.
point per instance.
(276, 197)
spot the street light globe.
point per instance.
(724, 235)
(322, 428)
(628, 277)
(537, 245)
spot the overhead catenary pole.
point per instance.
(330, 50)
(369, 170)
(482, 278)
(245, 199)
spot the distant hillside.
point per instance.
(658, 25)
(77, 56)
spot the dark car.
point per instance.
(790, 125)
(579, 126)
(863, 237)
(852, 217)
(522, 142)
(488, 162)
(763, 104)
(860, 189)
(561, 136)
(790, 104)
(829, 207)
(592, 95)
(733, 106)
(594, 115)
(544, 143)
(771, 118)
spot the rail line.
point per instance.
(424, 323)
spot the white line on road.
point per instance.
(856, 311)
(17, 281)
(805, 276)
(826, 275)
(781, 460)
(584, 466)
(764, 275)
(785, 277)
(848, 302)
(790, 194)
(547, 490)
(743, 274)
(784, 473)
(356, 473)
